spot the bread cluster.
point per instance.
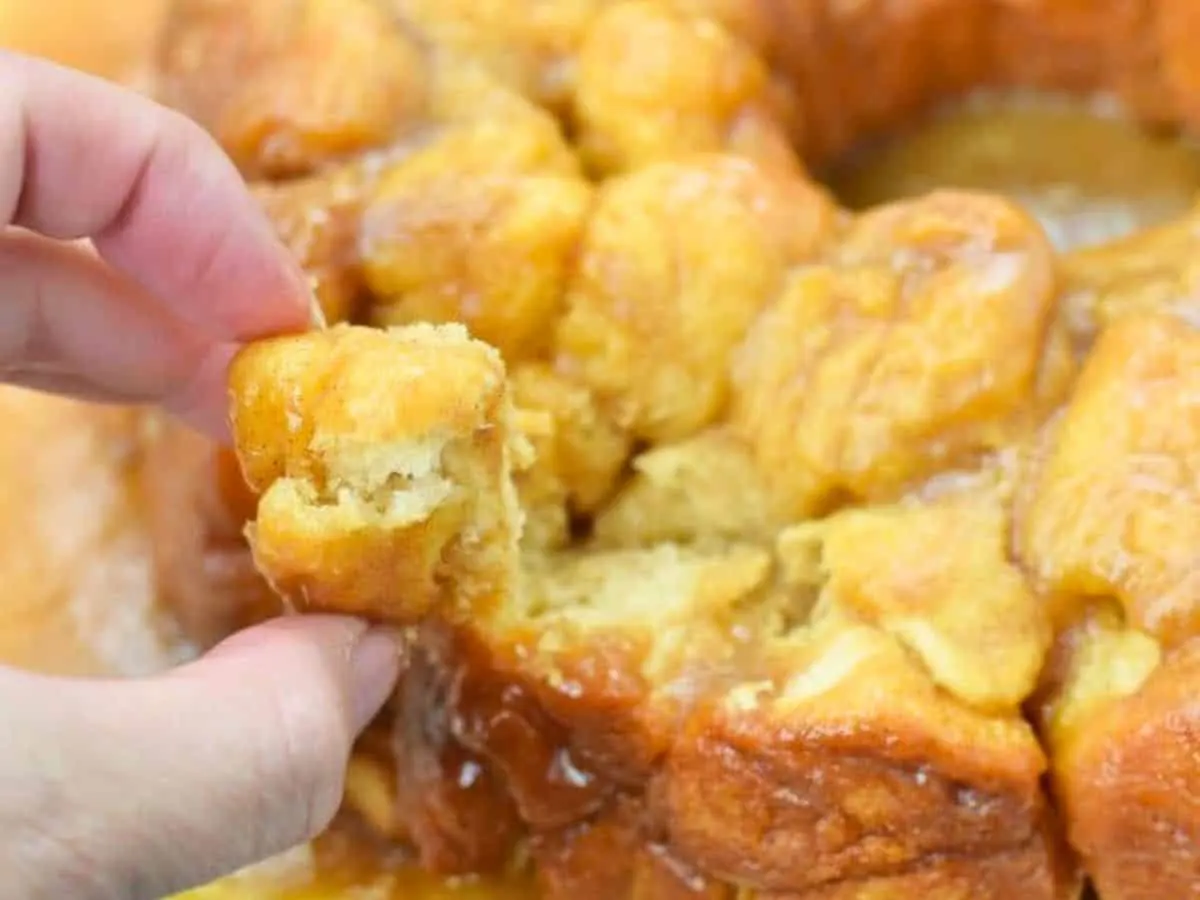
(743, 546)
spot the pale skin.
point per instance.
(141, 788)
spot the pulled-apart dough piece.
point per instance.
(384, 463)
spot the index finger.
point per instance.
(82, 158)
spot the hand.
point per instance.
(140, 788)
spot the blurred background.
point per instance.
(104, 37)
(79, 588)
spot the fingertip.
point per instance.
(375, 666)
(253, 740)
(369, 656)
(305, 686)
(316, 315)
(170, 209)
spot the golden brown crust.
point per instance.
(1177, 22)
(890, 63)
(510, 752)
(478, 126)
(1127, 781)
(1042, 867)
(842, 749)
(450, 801)
(1075, 47)
(567, 721)
(748, 76)
(655, 84)
(1112, 504)
(854, 767)
(383, 460)
(615, 854)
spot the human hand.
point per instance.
(140, 788)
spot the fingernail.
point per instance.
(375, 666)
(315, 313)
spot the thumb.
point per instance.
(140, 789)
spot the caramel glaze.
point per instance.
(1088, 173)
(349, 861)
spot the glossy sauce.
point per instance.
(344, 864)
(1088, 174)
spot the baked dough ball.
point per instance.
(655, 85)
(317, 218)
(676, 262)
(1116, 506)
(929, 337)
(1110, 534)
(578, 454)
(842, 771)
(493, 251)
(567, 693)
(287, 86)
(528, 45)
(966, 613)
(1121, 725)
(480, 222)
(478, 126)
(383, 460)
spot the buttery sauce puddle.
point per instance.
(1085, 172)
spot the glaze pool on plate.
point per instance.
(1089, 175)
(339, 866)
